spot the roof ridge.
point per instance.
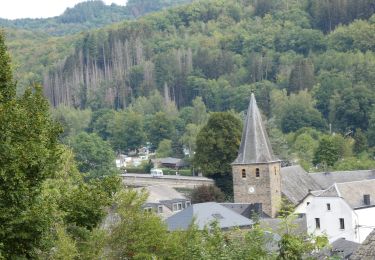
(364, 180)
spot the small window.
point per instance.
(275, 170)
(317, 223)
(179, 206)
(307, 203)
(188, 203)
(342, 223)
(148, 209)
(174, 207)
(243, 173)
(217, 216)
(328, 206)
(257, 172)
(160, 209)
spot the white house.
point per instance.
(164, 200)
(344, 210)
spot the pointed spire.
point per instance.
(255, 146)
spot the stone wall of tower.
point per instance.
(265, 189)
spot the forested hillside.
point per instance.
(310, 63)
(36, 44)
(90, 15)
(312, 73)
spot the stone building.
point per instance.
(256, 171)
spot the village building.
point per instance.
(204, 214)
(344, 210)
(164, 200)
(337, 204)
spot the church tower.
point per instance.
(256, 171)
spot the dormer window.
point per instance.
(257, 172)
(366, 199)
(243, 173)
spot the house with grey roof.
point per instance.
(203, 214)
(343, 210)
(164, 200)
(326, 179)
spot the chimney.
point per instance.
(366, 199)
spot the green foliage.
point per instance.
(138, 234)
(164, 149)
(217, 147)
(159, 127)
(72, 120)
(327, 153)
(28, 156)
(7, 85)
(352, 108)
(127, 131)
(65, 248)
(206, 193)
(217, 143)
(94, 156)
(360, 141)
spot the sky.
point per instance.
(13, 9)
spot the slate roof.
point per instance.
(171, 160)
(366, 251)
(205, 213)
(157, 193)
(326, 179)
(352, 192)
(244, 209)
(341, 248)
(296, 183)
(255, 146)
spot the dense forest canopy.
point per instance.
(310, 63)
(37, 44)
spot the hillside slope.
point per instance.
(221, 50)
(36, 44)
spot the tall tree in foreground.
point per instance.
(28, 155)
(217, 147)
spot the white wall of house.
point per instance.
(330, 219)
(366, 222)
(301, 208)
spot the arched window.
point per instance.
(257, 172)
(243, 173)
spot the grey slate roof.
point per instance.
(171, 160)
(244, 209)
(352, 192)
(205, 213)
(326, 179)
(341, 248)
(366, 251)
(296, 183)
(255, 146)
